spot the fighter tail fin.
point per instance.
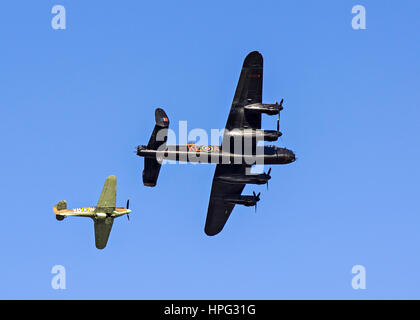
(62, 205)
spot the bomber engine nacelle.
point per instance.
(247, 201)
(59, 218)
(266, 135)
(272, 135)
(245, 179)
(267, 108)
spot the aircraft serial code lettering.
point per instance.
(83, 210)
(204, 148)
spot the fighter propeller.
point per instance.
(127, 206)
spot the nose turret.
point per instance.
(291, 156)
(286, 155)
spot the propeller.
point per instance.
(256, 198)
(268, 176)
(278, 118)
(127, 206)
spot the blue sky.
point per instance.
(76, 102)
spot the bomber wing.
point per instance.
(248, 91)
(219, 211)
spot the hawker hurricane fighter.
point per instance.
(103, 214)
(232, 158)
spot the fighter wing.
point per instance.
(219, 211)
(102, 230)
(108, 199)
(248, 91)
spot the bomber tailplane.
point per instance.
(160, 131)
(157, 142)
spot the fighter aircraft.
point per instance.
(103, 214)
(233, 164)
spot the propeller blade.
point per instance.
(127, 206)
(256, 198)
(281, 102)
(268, 176)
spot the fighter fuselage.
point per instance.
(89, 212)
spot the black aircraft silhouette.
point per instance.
(233, 166)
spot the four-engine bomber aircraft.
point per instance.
(232, 170)
(103, 214)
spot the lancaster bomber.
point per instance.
(103, 214)
(232, 158)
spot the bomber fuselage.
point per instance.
(216, 155)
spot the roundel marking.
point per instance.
(207, 148)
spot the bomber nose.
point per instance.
(291, 156)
